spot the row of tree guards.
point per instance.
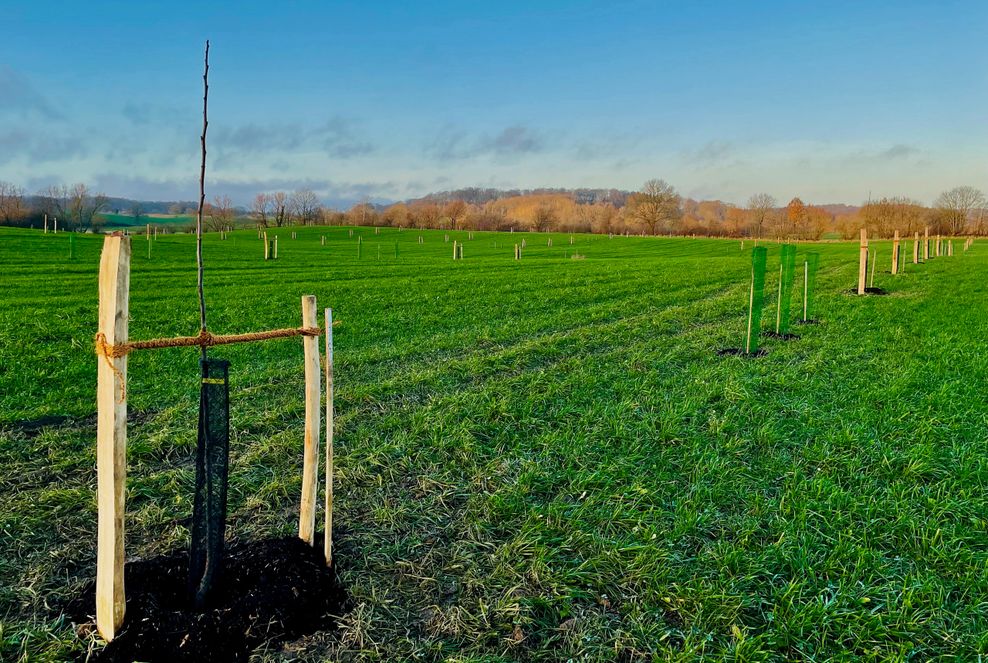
(212, 456)
(271, 245)
(937, 246)
(756, 295)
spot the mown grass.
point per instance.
(537, 460)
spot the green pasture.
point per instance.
(537, 460)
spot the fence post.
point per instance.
(111, 436)
(895, 253)
(755, 297)
(863, 262)
(313, 394)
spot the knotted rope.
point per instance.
(203, 340)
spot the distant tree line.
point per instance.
(76, 207)
(656, 209)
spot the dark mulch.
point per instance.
(781, 337)
(270, 591)
(808, 322)
(739, 352)
(869, 291)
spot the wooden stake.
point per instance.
(313, 393)
(926, 243)
(111, 436)
(916, 249)
(328, 519)
(950, 247)
(863, 262)
(895, 253)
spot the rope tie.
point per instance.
(205, 339)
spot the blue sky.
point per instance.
(830, 101)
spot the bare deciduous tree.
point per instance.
(455, 210)
(304, 206)
(83, 207)
(954, 208)
(279, 208)
(260, 208)
(12, 206)
(544, 216)
(760, 208)
(657, 206)
(220, 214)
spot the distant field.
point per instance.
(127, 220)
(538, 460)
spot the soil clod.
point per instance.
(269, 592)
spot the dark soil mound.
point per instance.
(739, 352)
(807, 322)
(869, 291)
(269, 591)
(782, 337)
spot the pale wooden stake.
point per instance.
(313, 394)
(863, 262)
(328, 525)
(916, 249)
(950, 247)
(926, 243)
(111, 436)
(895, 253)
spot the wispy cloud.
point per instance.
(338, 137)
(20, 97)
(38, 146)
(454, 143)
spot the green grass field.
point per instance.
(538, 460)
(127, 220)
